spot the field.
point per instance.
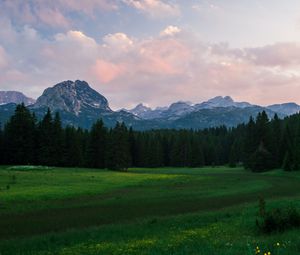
(144, 211)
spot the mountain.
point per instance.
(179, 109)
(287, 108)
(141, 111)
(213, 117)
(6, 111)
(73, 97)
(80, 105)
(176, 110)
(220, 101)
(16, 97)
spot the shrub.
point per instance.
(278, 219)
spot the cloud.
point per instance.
(54, 14)
(52, 17)
(170, 31)
(155, 8)
(3, 58)
(156, 70)
(105, 71)
(117, 41)
(278, 54)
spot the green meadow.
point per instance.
(142, 211)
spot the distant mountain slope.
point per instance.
(16, 97)
(179, 109)
(80, 105)
(6, 111)
(228, 116)
(287, 108)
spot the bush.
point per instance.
(278, 219)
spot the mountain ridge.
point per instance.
(16, 97)
(80, 105)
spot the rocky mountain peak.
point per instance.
(141, 107)
(221, 101)
(16, 97)
(72, 97)
(140, 110)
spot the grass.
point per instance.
(144, 211)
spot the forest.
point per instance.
(264, 143)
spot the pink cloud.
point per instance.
(279, 54)
(157, 70)
(53, 18)
(117, 42)
(52, 13)
(165, 56)
(105, 71)
(155, 8)
(89, 6)
(3, 58)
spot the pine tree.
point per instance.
(262, 133)
(45, 140)
(287, 162)
(97, 145)
(154, 151)
(118, 153)
(250, 144)
(261, 160)
(276, 133)
(197, 157)
(133, 148)
(233, 156)
(296, 149)
(58, 137)
(287, 149)
(73, 149)
(19, 140)
(2, 151)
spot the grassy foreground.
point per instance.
(145, 211)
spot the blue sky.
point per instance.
(154, 51)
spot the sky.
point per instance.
(154, 51)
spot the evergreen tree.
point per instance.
(97, 145)
(197, 157)
(260, 144)
(133, 147)
(2, 151)
(73, 150)
(261, 160)
(233, 156)
(296, 148)
(45, 140)
(118, 153)
(250, 144)
(262, 133)
(19, 141)
(287, 162)
(57, 143)
(154, 151)
(275, 136)
(287, 149)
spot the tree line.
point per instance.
(259, 145)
